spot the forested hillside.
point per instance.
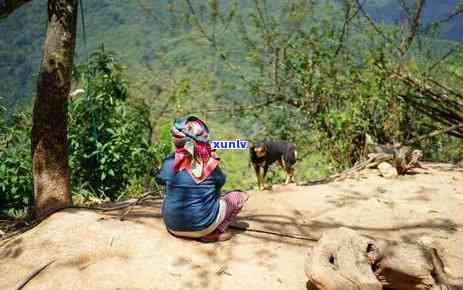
(323, 74)
(390, 11)
(141, 32)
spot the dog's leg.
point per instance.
(264, 175)
(289, 175)
(258, 175)
(261, 180)
(290, 161)
(287, 170)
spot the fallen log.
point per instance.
(402, 158)
(345, 260)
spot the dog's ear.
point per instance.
(265, 146)
(251, 152)
(251, 146)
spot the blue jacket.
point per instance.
(189, 206)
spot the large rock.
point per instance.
(96, 251)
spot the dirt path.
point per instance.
(97, 251)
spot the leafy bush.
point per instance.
(108, 136)
(16, 187)
(109, 139)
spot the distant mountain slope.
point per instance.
(136, 30)
(389, 11)
(120, 25)
(21, 38)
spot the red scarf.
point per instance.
(206, 156)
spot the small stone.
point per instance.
(387, 170)
(425, 241)
(381, 189)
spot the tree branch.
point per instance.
(373, 24)
(347, 19)
(447, 19)
(149, 11)
(437, 132)
(200, 26)
(9, 6)
(414, 27)
(444, 57)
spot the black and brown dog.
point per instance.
(264, 153)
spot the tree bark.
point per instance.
(49, 130)
(339, 262)
(346, 260)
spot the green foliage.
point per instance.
(165, 140)
(332, 88)
(109, 139)
(16, 188)
(334, 79)
(108, 136)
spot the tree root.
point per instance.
(31, 276)
(345, 260)
(146, 196)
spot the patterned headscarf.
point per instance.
(193, 151)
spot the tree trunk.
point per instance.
(339, 262)
(346, 260)
(49, 130)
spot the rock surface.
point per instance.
(94, 250)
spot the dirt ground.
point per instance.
(94, 250)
